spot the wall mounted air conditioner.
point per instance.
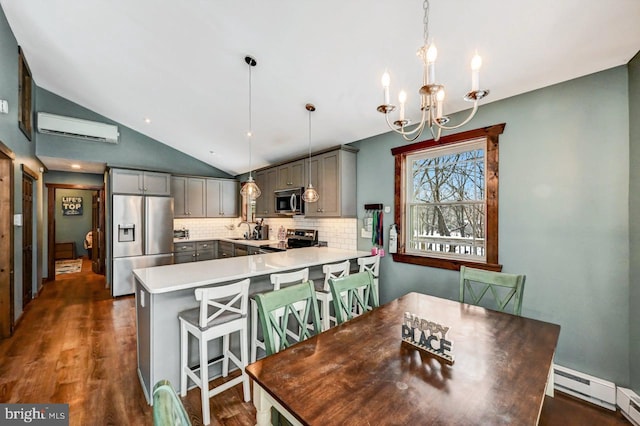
(584, 386)
(77, 128)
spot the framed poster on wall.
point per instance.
(71, 206)
(25, 112)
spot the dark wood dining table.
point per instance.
(361, 373)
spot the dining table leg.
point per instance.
(263, 406)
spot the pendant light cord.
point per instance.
(250, 134)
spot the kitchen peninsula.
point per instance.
(164, 291)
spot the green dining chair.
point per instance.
(353, 294)
(167, 407)
(504, 288)
(280, 311)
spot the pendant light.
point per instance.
(310, 194)
(250, 189)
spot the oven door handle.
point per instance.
(293, 202)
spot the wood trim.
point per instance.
(27, 171)
(491, 133)
(7, 151)
(51, 223)
(72, 186)
(7, 210)
(488, 131)
(436, 262)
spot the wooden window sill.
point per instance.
(451, 264)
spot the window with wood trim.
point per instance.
(446, 200)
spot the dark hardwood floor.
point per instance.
(77, 345)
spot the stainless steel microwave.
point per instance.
(289, 201)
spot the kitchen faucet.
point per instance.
(247, 235)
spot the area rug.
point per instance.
(68, 266)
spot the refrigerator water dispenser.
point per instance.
(126, 233)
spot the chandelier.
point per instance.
(431, 94)
(250, 189)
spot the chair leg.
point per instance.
(326, 323)
(204, 378)
(243, 359)
(254, 330)
(225, 355)
(184, 357)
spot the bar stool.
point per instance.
(277, 280)
(222, 311)
(335, 270)
(371, 264)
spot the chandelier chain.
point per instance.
(425, 6)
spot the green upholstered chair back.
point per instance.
(503, 289)
(167, 407)
(285, 316)
(353, 294)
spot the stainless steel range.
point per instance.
(297, 238)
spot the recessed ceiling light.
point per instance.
(147, 120)
(75, 166)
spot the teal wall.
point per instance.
(73, 228)
(634, 221)
(24, 150)
(564, 216)
(133, 150)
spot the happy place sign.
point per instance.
(428, 336)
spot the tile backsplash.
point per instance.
(338, 233)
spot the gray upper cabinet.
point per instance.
(126, 181)
(267, 181)
(189, 196)
(291, 175)
(222, 198)
(333, 174)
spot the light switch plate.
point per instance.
(17, 219)
(4, 106)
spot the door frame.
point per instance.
(7, 321)
(51, 220)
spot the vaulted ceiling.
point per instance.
(181, 64)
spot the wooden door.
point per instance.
(27, 239)
(6, 241)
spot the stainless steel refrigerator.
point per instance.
(142, 237)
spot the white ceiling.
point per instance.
(181, 64)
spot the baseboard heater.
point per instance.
(584, 386)
(629, 403)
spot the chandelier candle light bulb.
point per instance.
(386, 81)
(476, 64)
(402, 98)
(440, 100)
(432, 54)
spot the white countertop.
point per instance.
(168, 278)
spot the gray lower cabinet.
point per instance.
(333, 174)
(225, 249)
(139, 182)
(189, 196)
(222, 198)
(194, 251)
